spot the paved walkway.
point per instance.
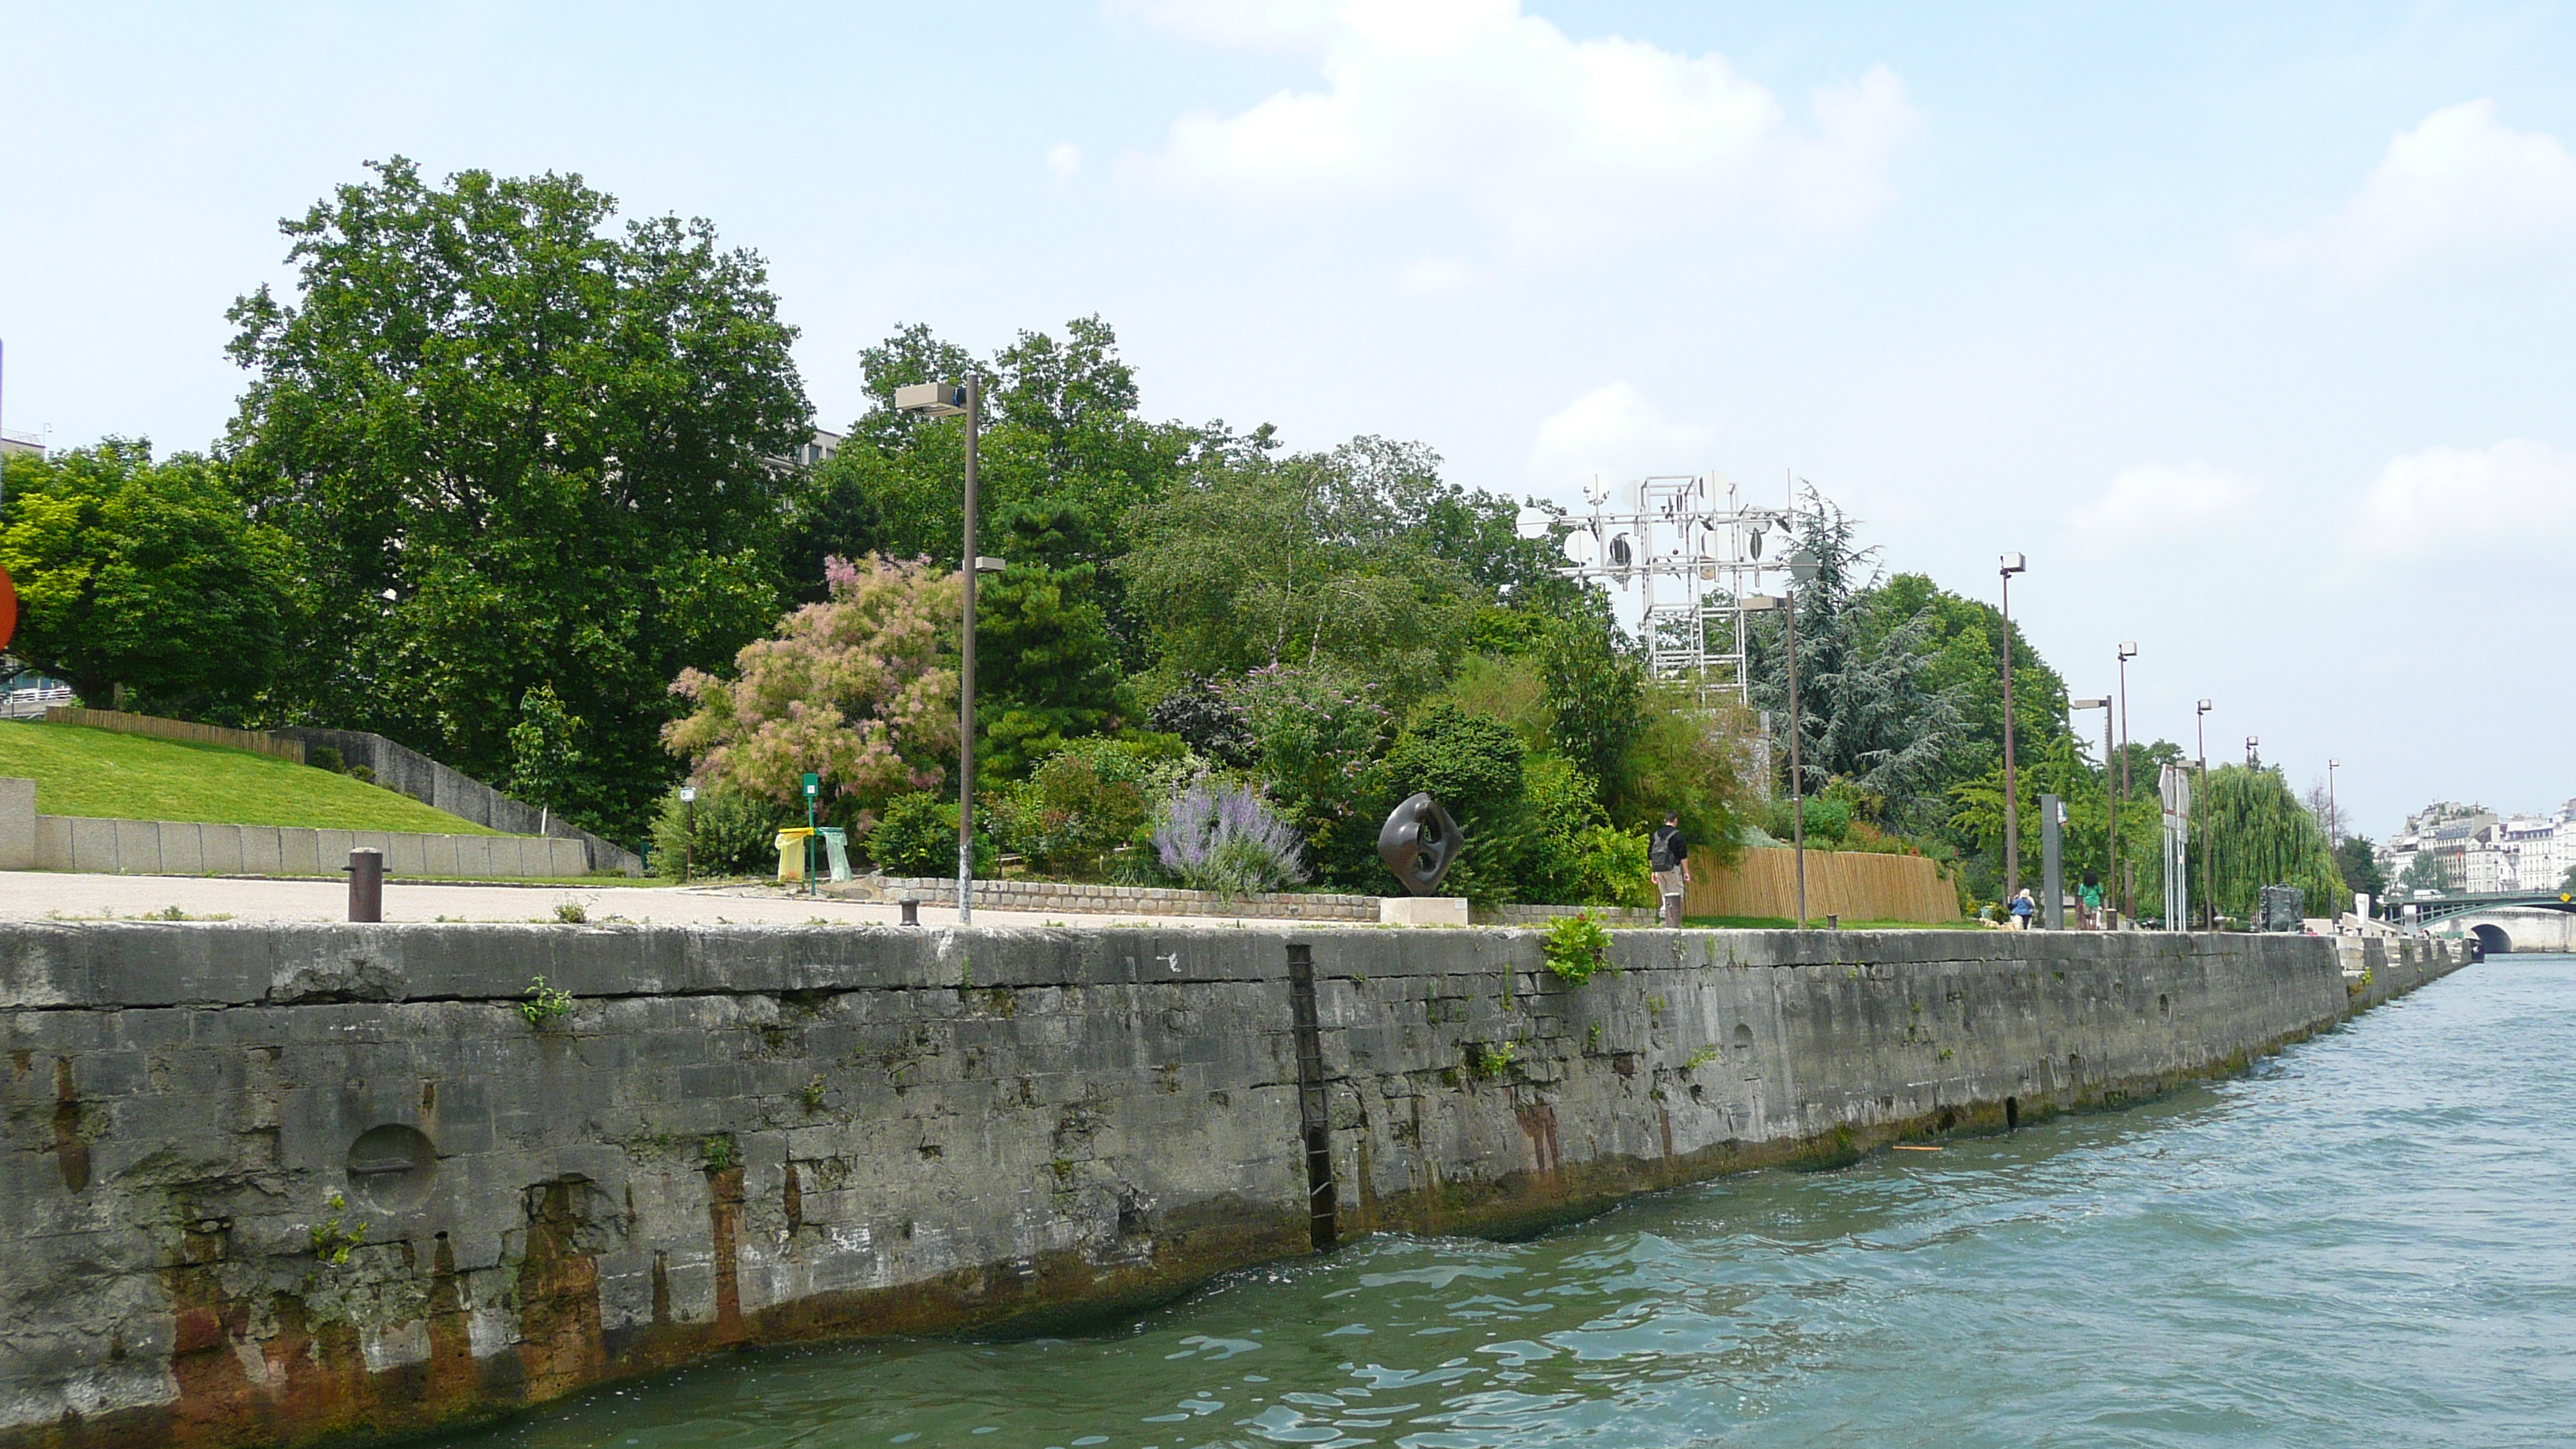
(38, 895)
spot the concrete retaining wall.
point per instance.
(408, 771)
(740, 1135)
(29, 841)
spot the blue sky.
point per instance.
(2250, 325)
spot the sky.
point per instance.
(2253, 327)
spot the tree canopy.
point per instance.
(144, 581)
(518, 449)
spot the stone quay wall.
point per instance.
(282, 1184)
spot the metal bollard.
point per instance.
(366, 885)
(1833, 923)
(911, 911)
(1673, 912)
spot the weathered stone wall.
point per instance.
(740, 1134)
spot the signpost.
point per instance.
(813, 789)
(688, 829)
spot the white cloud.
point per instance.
(1432, 275)
(1614, 434)
(2515, 497)
(2156, 501)
(1251, 24)
(1064, 162)
(2459, 181)
(1554, 141)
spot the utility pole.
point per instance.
(2208, 880)
(2012, 564)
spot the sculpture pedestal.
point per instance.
(1422, 910)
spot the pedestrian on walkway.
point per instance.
(1668, 854)
(2023, 908)
(2089, 896)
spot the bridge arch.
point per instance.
(2492, 939)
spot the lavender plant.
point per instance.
(1214, 837)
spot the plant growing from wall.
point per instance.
(332, 1237)
(1574, 946)
(545, 1005)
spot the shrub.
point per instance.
(1574, 947)
(324, 757)
(1081, 802)
(1828, 821)
(1613, 867)
(918, 837)
(1225, 838)
(736, 833)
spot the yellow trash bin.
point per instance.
(791, 852)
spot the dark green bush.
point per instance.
(736, 833)
(917, 836)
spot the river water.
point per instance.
(2370, 1240)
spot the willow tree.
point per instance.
(2260, 835)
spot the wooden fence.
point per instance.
(177, 729)
(1855, 885)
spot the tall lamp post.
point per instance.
(1801, 568)
(2334, 817)
(2208, 876)
(2128, 894)
(961, 400)
(2012, 563)
(2110, 806)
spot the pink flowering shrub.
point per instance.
(861, 689)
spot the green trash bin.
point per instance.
(836, 844)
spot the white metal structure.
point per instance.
(1694, 548)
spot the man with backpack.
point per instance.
(1668, 853)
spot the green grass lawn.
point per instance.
(84, 771)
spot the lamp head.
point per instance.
(1760, 603)
(2128, 649)
(2013, 563)
(2102, 703)
(932, 399)
(2204, 706)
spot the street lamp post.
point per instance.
(961, 400)
(1787, 605)
(688, 829)
(2208, 877)
(2012, 563)
(2253, 752)
(2334, 817)
(2128, 892)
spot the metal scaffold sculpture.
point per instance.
(1694, 546)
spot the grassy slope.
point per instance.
(83, 771)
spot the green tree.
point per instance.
(2260, 835)
(1595, 691)
(144, 581)
(2358, 860)
(2424, 873)
(1870, 708)
(1313, 560)
(545, 763)
(517, 447)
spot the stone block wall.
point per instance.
(739, 1134)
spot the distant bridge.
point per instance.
(2505, 920)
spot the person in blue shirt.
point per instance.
(2023, 908)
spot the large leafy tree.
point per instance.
(522, 450)
(1312, 560)
(144, 582)
(1870, 709)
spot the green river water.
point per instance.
(2370, 1240)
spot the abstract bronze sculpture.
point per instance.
(1420, 843)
